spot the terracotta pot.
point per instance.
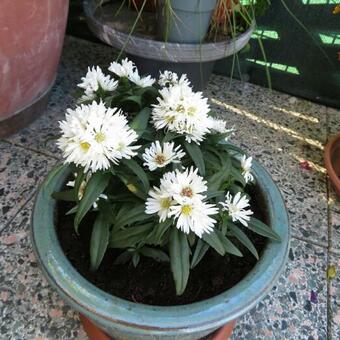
(95, 333)
(31, 39)
(332, 161)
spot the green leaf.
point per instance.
(67, 195)
(179, 259)
(108, 101)
(95, 186)
(133, 99)
(260, 228)
(129, 214)
(237, 175)
(191, 237)
(155, 254)
(135, 259)
(72, 210)
(213, 194)
(213, 239)
(230, 247)
(169, 136)
(138, 171)
(123, 258)
(212, 160)
(140, 122)
(155, 237)
(132, 186)
(219, 137)
(231, 147)
(99, 240)
(200, 251)
(196, 155)
(216, 180)
(243, 238)
(130, 237)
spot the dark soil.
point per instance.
(151, 282)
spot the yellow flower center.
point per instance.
(121, 146)
(165, 203)
(160, 159)
(180, 108)
(186, 209)
(191, 110)
(169, 119)
(100, 137)
(85, 145)
(187, 192)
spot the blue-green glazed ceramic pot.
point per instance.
(127, 320)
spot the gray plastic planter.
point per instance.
(153, 56)
(131, 321)
(187, 21)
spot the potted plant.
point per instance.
(175, 37)
(31, 40)
(155, 226)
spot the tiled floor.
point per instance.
(279, 130)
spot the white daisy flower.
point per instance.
(219, 126)
(159, 203)
(93, 136)
(168, 78)
(237, 208)
(187, 185)
(183, 111)
(179, 196)
(141, 81)
(95, 80)
(193, 215)
(123, 69)
(159, 156)
(246, 164)
(87, 96)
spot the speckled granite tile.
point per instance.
(281, 131)
(20, 172)
(29, 308)
(296, 308)
(335, 297)
(333, 121)
(77, 56)
(334, 221)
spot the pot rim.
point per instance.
(328, 160)
(160, 50)
(210, 313)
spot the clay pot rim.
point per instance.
(95, 333)
(329, 149)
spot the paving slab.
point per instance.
(279, 130)
(29, 308)
(282, 133)
(297, 306)
(21, 171)
(334, 297)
